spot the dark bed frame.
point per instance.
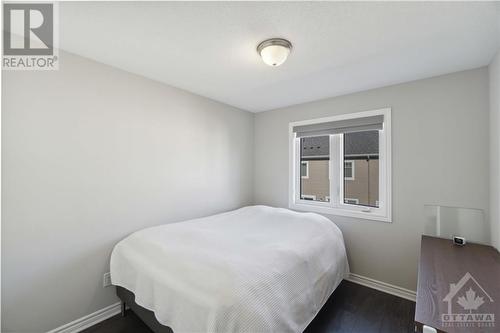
(148, 317)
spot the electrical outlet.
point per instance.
(106, 280)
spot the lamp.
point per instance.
(274, 51)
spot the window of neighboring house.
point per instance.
(341, 165)
(348, 170)
(304, 169)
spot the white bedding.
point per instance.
(255, 269)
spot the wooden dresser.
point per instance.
(458, 287)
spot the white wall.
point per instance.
(494, 74)
(90, 154)
(440, 156)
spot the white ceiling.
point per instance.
(208, 48)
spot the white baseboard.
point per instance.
(382, 286)
(89, 320)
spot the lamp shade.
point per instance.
(274, 52)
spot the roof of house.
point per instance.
(315, 146)
(357, 143)
(361, 143)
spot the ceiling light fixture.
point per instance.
(274, 51)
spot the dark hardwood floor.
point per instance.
(354, 308)
(351, 308)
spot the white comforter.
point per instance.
(255, 269)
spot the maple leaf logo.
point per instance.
(470, 301)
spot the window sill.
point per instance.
(315, 208)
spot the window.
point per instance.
(348, 170)
(304, 169)
(341, 165)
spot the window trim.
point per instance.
(336, 205)
(307, 170)
(353, 176)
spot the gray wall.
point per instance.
(440, 156)
(90, 154)
(494, 72)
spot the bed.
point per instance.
(254, 269)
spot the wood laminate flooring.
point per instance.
(351, 308)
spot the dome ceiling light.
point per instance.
(274, 51)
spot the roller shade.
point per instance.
(340, 126)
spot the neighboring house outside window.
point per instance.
(362, 147)
(315, 153)
(362, 181)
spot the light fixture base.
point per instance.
(274, 41)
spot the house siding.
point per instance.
(364, 186)
(317, 184)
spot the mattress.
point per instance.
(255, 269)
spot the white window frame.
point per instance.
(307, 170)
(336, 206)
(312, 197)
(352, 168)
